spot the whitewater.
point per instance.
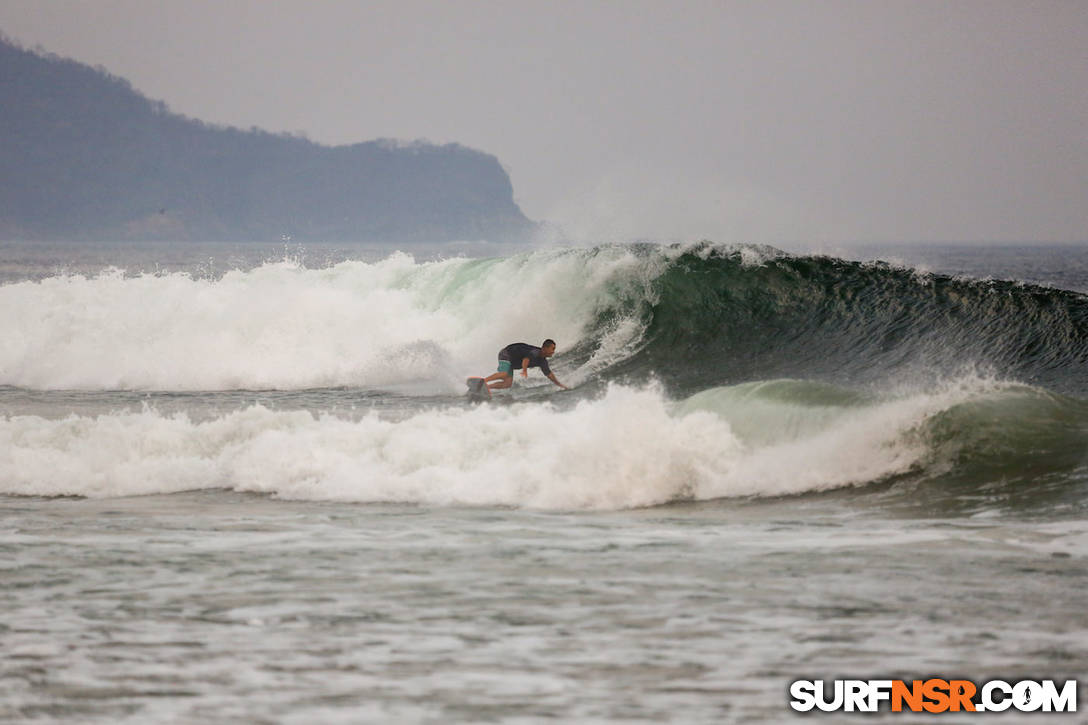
(282, 325)
(238, 482)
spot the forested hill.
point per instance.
(84, 156)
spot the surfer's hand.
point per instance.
(524, 373)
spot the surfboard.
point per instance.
(478, 392)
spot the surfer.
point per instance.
(522, 356)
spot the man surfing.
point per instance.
(522, 356)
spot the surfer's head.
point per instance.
(548, 348)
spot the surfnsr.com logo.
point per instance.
(933, 696)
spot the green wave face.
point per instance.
(719, 318)
(966, 446)
(1021, 449)
(981, 381)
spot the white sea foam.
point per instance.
(284, 326)
(629, 448)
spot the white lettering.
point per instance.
(879, 690)
(803, 693)
(994, 696)
(1065, 701)
(1027, 696)
(988, 701)
(829, 705)
(855, 696)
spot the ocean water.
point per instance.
(241, 482)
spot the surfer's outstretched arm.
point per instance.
(551, 376)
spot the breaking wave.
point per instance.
(704, 372)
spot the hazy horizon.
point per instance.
(779, 122)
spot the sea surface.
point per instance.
(240, 483)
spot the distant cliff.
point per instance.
(84, 156)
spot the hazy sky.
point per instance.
(736, 121)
